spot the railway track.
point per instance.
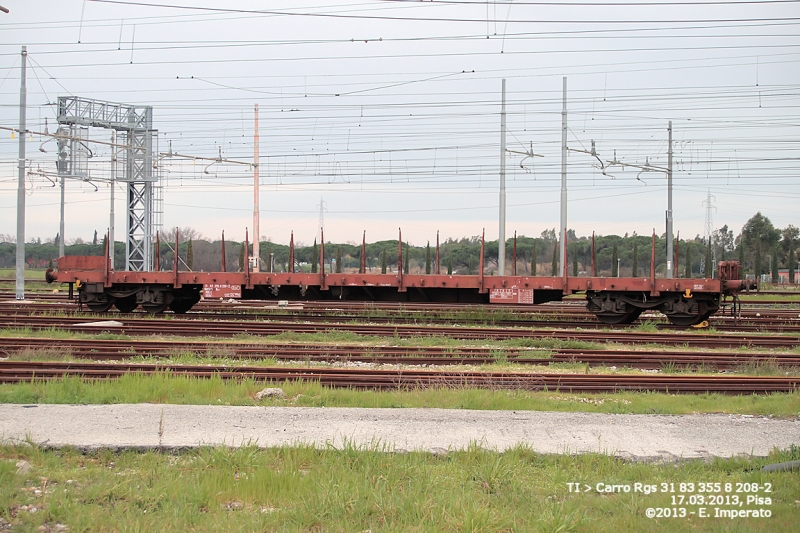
(577, 303)
(16, 371)
(228, 328)
(552, 316)
(107, 350)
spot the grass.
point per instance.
(475, 314)
(766, 368)
(500, 353)
(34, 280)
(777, 297)
(173, 389)
(647, 326)
(30, 273)
(166, 388)
(319, 338)
(56, 333)
(363, 489)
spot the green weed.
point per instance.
(167, 388)
(361, 488)
(648, 326)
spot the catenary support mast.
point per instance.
(135, 126)
(111, 222)
(501, 250)
(23, 102)
(670, 249)
(256, 194)
(563, 233)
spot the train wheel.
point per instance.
(686, 311)
(633, 316)
(613, 319)
(181, 306)
(100, 307)
(688, 320)
(684, 320)
(154, 309)
(127, 304)
(612, 309)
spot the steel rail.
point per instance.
(567, 305)
(104, 350)
(787, 321)
(568, 302)
(26, 371)
(222, 328)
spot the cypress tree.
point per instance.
(555, 260)
(614, 264)
(405, 262)
(314, 258)
(449, 265)
(575, 265)
(708, 266)
(428, 258)
(758, 262)
(94, 240)
(741, 257)
(339, 260)
(791, 262)
(533, 259)
(775, 277)
(383, 261)
(190, 255)
(635, 267)
(687, 273)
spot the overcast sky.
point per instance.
(389, 111)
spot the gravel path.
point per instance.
(638, 437)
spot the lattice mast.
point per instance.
(136, 134)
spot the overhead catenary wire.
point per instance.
(312, 14)
(406, 122)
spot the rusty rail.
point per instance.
(226, 328)
(565, 316)
(104, 350)
(15, 372)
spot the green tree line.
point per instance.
(760, 247)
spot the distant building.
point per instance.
(783, 274)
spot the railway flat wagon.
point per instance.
(612, 300)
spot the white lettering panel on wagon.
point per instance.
(222, 290)
(512, 295)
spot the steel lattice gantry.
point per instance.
(135, 124)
